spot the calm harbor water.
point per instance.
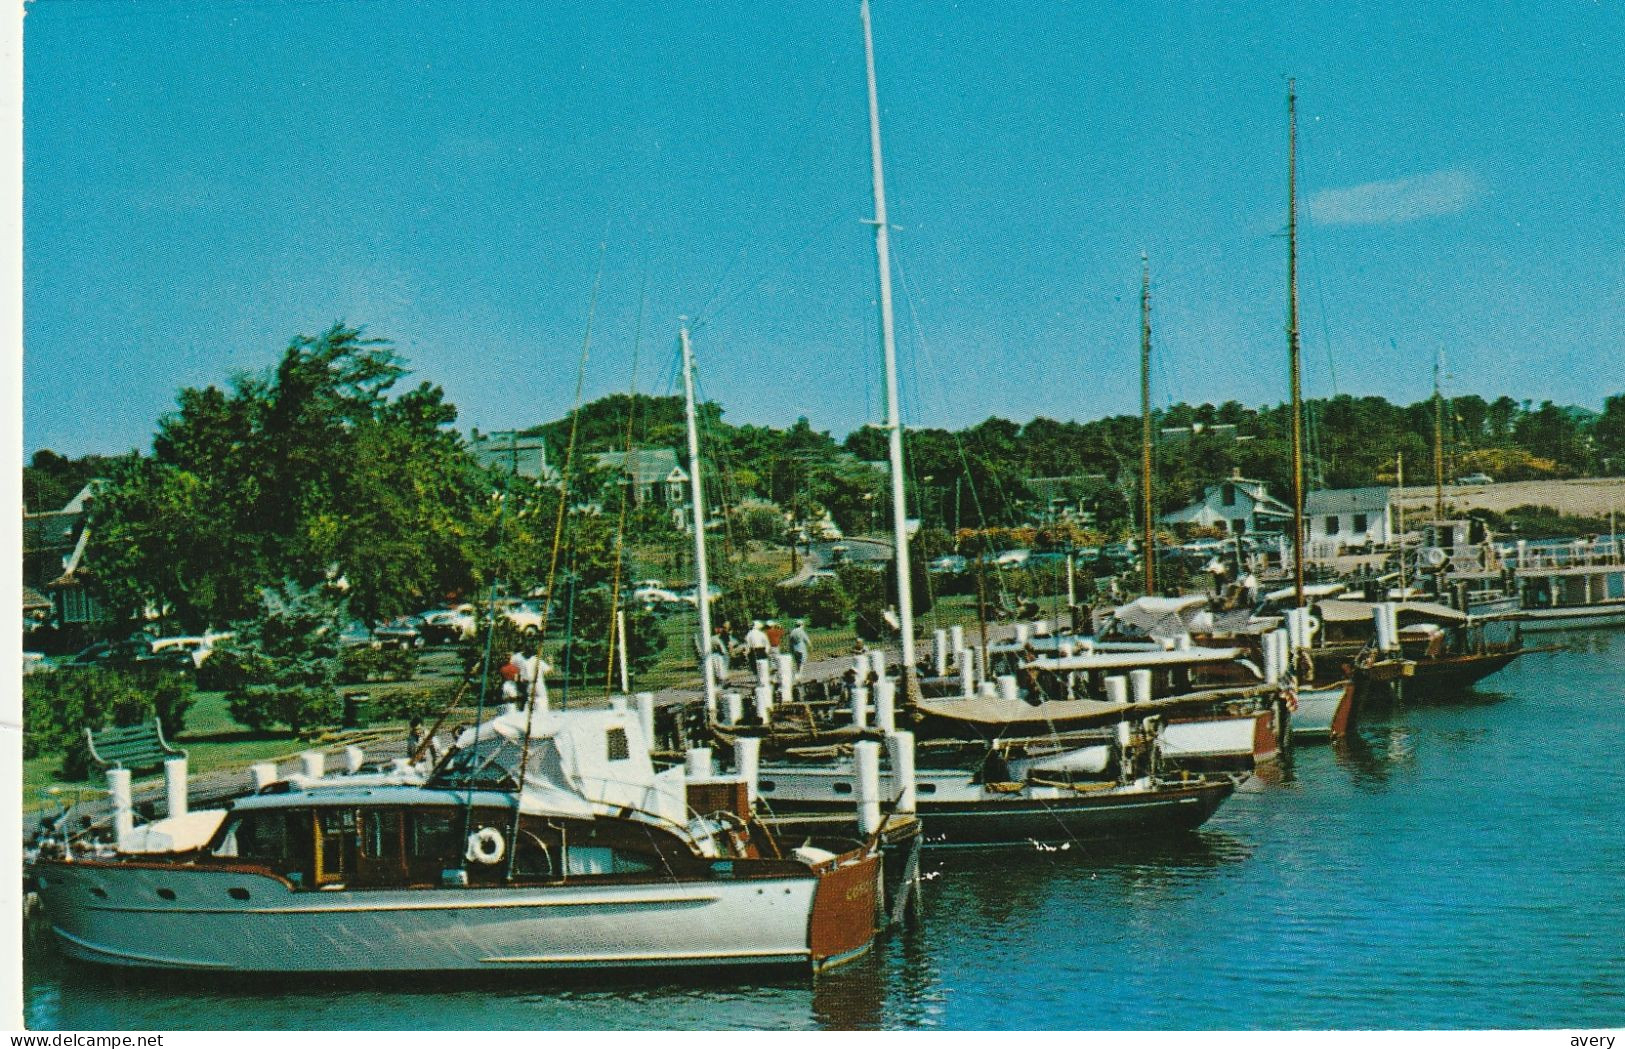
(1460, 865)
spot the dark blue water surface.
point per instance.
(1460, 865)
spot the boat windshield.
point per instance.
(487, 765)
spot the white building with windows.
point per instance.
(1239, 505)
(1341, 518)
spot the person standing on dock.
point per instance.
(800, 645)
(756, 643)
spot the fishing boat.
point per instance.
(545, 840)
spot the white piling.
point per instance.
(698, 763)
(764, 703)
(866, 756)
(1272, 656)
(1041, 628)
(787, 680)
(1024, 631)
(990, 690)
(175, 785)
(118, 785)
(646, 717)
(860, 667)
(877, 662)
(1117, 689)
(860, 706)
(1007, 688)
(886, 705)
(1379, 625)
(956, 637)
(617, 704)
(764, 672)
(939, 652)
(747, 761)
(967, 672)
(264, 774)
(1140, 685)
(354, 758)
(1183, 643)
(313, 763)
(736, 708)
(900, 753)
(1066, 649)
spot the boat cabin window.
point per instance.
(278, 838)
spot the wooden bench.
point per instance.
(131, 747)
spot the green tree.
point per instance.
(312, 471)
(286, 659)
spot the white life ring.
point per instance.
(1434, 556)
(486, 846)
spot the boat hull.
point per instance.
(958, 812)
(231, 920)
(1322, 712)
(1577, 618)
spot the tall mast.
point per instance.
(1438, 441)
(702, 581)
(1399, 517)
(1149, 554)
(894, 419)
(1293, 348)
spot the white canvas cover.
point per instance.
(582, 763)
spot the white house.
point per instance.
(1239, 505)
(1339, 518)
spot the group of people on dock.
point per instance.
(764, 640)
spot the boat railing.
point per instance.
(1603, 553)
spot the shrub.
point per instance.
(363, 663)
(822, 602)
(59, 706)
(869, 596)
(404, 704)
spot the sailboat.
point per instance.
(981, 789)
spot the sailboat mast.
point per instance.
(1399, 517)
(888, 341)
(702, 581)
(1438, 441)
(1293, 348)
(1149, 554)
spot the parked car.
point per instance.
(447, 625)
(1476, 478)
(198, 648)
(135, 653)
(405, 632)
(1011, 558)
(947, 563)
(355, 634)
(650, 593)
(34, 663)
(691, 595)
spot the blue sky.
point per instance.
(205, 180)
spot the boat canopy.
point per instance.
(1157, 617)
(1056, 715)
(1311, 592)
(1343, 611)
(578, 763)
(1161, 660)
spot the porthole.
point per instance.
(842, 788)
(766, 786)
(98, 892)
(237, 893)
(926, 788)
(166, 894)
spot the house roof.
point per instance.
(645, 465)
(34, 599)
(1373, 499)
